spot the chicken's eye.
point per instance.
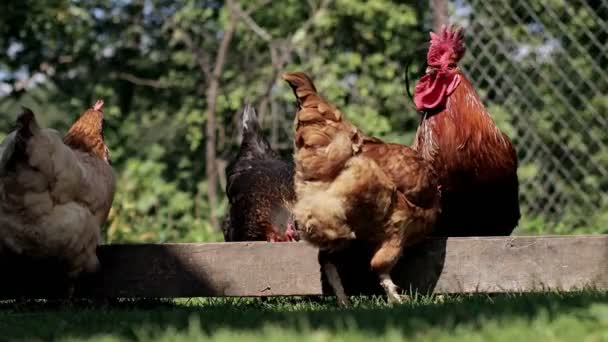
(452, 65)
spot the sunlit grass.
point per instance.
(550, 316)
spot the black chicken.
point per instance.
(260, 190)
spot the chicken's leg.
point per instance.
(390, 288)
(336, 283)
(383, 262)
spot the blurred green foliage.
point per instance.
(145, 58)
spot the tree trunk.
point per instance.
(211, 125)
(440, 14)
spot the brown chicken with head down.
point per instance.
(350, 186)
(55, 193)
(475, 162)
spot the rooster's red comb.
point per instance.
(446, 47)
(98, 105)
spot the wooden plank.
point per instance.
(455, 265)
(516, 264)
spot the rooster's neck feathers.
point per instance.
(464, 125)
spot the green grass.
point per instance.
(544, 317)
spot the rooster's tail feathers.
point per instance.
(14, 145)
(312, 107)
(26, 124)
(301, 84)
(249, 119)
(253, 141)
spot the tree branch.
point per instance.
(314, 14)
(157, 84)
(248, 20)
(202, 59)
(258, 5)
(280, 49)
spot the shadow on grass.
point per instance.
(418, 270)
(127, 319)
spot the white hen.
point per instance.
(55, 193)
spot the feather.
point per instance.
(7, 148)
(475, 162)
(55, 197)
(352, 187)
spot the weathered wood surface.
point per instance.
(455, 265)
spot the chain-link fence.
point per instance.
(541, 67)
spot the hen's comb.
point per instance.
(98, 105)
(446, 47)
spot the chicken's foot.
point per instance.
(383, 262)
(392, 290)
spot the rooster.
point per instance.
(259, 189)
(55, 194)
(475, 162)
(353, 187)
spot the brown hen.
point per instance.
(350, 186)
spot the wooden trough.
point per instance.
(454, 265)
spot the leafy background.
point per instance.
(175, 75)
